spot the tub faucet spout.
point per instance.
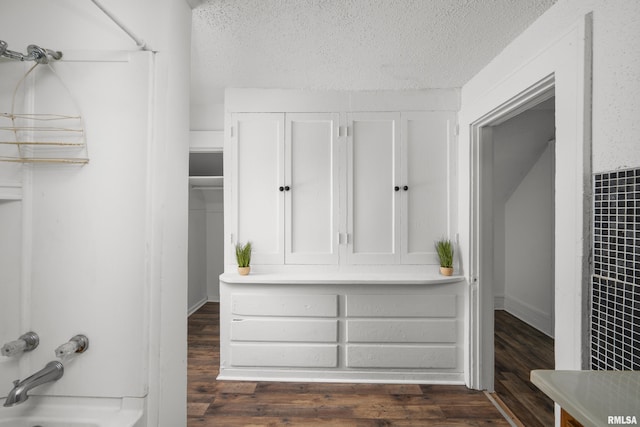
(53, 371)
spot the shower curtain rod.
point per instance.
(41, 55)
(139, 42)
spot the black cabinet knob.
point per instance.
(405, 188)
(287, 188)
(281, 188)
(396, 188)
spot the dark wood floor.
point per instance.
(231, 403)
(519, 348)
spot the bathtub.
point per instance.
(74, 412)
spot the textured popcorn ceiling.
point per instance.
(349, 44)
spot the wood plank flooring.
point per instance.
(519, 348)
(231, 403)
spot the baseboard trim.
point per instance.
(530, 315)
(196, 306)
(370, 377)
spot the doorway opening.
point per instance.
(515, 206)
(206, 228)
(522, 163)
(514, 158)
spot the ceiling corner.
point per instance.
(194, 3)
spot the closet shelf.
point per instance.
(206, 182)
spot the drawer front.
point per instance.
(292, 330)
(284, 305)
(401, 305)
(284, 355)
(407, 357)
(401, 331)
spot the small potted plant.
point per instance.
(243, 256)
(444, 247)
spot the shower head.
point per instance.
(3, 47)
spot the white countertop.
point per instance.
(591, 397)
(336, 278)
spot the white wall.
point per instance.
(11, 230)
(106, 243)
(207, 117)
(528, 262)
(215, 242)
(10, 276)
(87, 247)
(197, 250)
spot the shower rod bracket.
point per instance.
(34, 53)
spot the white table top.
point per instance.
(591, 397)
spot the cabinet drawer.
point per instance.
(409, 357)
(293, 330)
(401, 305)
(284, 355)
(401, 331)
(285, 305)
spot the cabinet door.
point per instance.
(311, 174)
(258, 141)
(373, 174)
(425, 184)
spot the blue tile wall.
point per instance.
(615, 291)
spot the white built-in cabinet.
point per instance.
(286, 188)
(258, 144)
(425, 184)
(373, 172)
(341, 188)
(317, 329)
(311, 203)
(398, 185)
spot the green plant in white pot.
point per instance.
(444, 248)
(243, 256)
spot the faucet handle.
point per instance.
(26, 342)
(16, 383)
(77, 344)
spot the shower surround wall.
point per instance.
(81, 271)
(10, 230)
(615, 295)
(100, 249)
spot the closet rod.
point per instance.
(139, 42)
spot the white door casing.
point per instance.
(564, 66)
